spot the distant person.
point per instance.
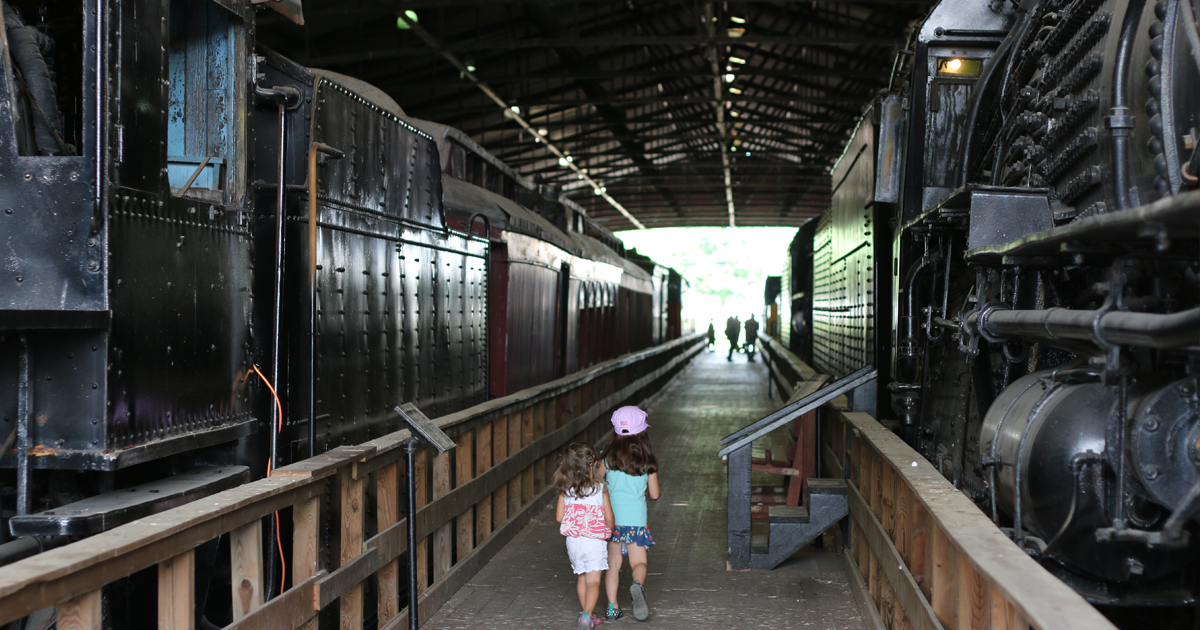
(712, 336)
(587, 521)
(630, 471)
(733, 330)
(751, 336)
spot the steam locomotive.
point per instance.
(1013, 243)
(217, 261)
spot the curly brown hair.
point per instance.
(630, 454)
(576, 474)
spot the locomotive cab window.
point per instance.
(45, 85)
(201, 118)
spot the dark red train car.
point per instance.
(563, 294)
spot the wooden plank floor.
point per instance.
(530, 584)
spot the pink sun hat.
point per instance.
(629, 420)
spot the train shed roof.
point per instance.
(650, 113)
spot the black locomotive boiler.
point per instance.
(1014, 242)
(217, 261)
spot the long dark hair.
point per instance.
(576, 474)
(630, 454)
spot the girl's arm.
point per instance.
(558, 512)
(609, 520)
(652, 487)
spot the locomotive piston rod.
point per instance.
(1148, 330)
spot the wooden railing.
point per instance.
(471, 501)
(927, 557)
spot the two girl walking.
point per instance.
(602, 508)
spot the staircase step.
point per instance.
(827, 486)
(788, 515)
(759, 543)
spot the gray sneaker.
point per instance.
(585, 621)
(641, 609)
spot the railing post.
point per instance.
(80, 613)
(245, 548)
(443, 552)
(387, 513)
(738, 470)
(350, 492)
(483, 461)
(306, 525)
(177, 592)
(464, 471)
(499, 454)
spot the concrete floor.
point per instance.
(530, 585)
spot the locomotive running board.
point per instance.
(106, 511)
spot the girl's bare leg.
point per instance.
(581, 588)
(591, 592)
(612, 578)
(637, 562)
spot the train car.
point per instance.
(219, 262)
(1013, 244)
(565, 294)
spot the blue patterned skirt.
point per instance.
(639, 536)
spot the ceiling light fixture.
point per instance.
(737, 20)
(403, 24)
(734, 90)
(737, 60)
(729, 78)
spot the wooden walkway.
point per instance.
(529, 583)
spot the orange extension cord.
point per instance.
(278, 430)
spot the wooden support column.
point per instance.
(499, 454)
(421, 464)
(306, 527)
(483, 461)
(973, 609)
(387, 513)
(514, 445)
(443, 537)
(945, 580)
(351, 496)
(177, 592)
(80, 613)
(245, 547)
(527, 475)
(539, 430)
(464, 471)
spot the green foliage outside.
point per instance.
(726, 267)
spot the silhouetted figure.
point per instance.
(733, 329)
(712, 336)
(751, 336)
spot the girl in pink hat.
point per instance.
(631, 475)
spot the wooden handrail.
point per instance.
(515, 440)
(930, 558)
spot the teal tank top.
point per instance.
(627, 494)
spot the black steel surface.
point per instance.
(106, 511)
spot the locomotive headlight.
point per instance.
(958, 66)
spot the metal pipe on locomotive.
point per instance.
(1013, 242)
(217, 262)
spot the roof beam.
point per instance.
(433, 42)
